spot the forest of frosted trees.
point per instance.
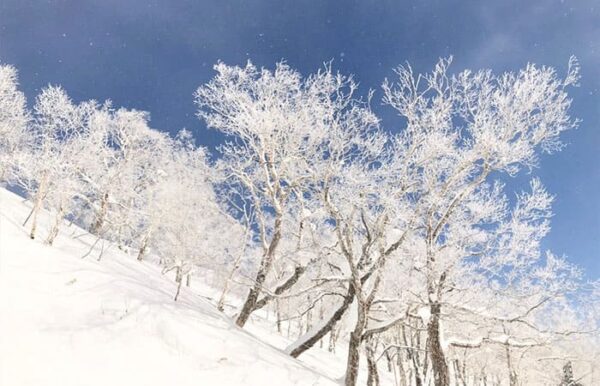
(405, 245)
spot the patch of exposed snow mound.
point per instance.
(65, 320)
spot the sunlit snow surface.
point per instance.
(65, 320)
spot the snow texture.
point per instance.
(65, 321)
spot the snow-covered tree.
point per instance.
(124, 160)
(46, 167)
(276, 123)
(14, 118)
(475, 124)
(407, 245)
(186, 227)
(364, 200)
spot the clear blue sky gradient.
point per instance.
(152, 55)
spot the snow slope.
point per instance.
(68, 320)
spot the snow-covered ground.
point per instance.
(68, 320)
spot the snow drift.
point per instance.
(68, 320)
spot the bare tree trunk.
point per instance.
(459, 372)
(286, 285)
(97, 226)
(412, 356)
(353, 360)
(401, 370)
(236, 265)
(441, 375)
(389, 361)
(278, 315)
(300, 326)
(143, 247)
(252, 298)
(332, 339)
(321, 316)
(37, 204)
(456, 367)
(308, 315)
(356, 336)
(55, 227)
(188, 280)
(312, 337)
(261, 276)
(463, 372)
(178, 280)
(512, 374)
(373, 374)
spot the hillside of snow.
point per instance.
(68, 319)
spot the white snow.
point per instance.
(425, 314)
(65, 321)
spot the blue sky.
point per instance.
(152, 55)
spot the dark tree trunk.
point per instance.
(373, 374)
(289, 283)
(251, 299)
(142, 251)
(356, 338)
(311, 339)
(278, 315)
(353, 357)
(441, 375)
(512, 374)
(332, 339)
(261, 276)
(178, 280)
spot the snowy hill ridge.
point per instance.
(68, 320)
